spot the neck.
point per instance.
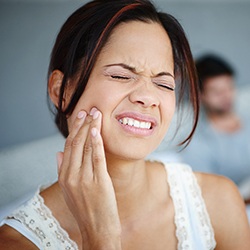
(227, 122)
(130, 183)
(213, 115)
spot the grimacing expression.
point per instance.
(132, 84)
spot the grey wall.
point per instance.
(28, 31)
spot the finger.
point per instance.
(98, 155)
(78, 144)
(59, 159)
(79, 121)
(81, 148)
(87, 166)
(97, 120)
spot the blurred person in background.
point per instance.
(220, 144)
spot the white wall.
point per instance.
(28, 31)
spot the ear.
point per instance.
(54, 86)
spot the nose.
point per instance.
(144, 94)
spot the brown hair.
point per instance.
(85, 33)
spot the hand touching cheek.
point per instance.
(86, 184)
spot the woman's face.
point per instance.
(132, 84)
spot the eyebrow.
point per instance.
(125, 66)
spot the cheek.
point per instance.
(84, 103)
(167, 111)
(209, 98)
(89, 99)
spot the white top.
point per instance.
(193, 227)
(35, 221)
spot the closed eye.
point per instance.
(120, 77)
(165, 86)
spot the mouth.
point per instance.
(136, 123)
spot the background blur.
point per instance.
(28, 29)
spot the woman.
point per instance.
(114, 71)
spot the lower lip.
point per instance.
(136, 131)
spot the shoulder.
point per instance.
(227, 211)
(11, 239)
(218, 192)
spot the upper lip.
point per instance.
(138, 116)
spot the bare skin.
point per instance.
(108, 196)
(136, 234)
(218, 98)
(228, 123)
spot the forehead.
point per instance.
(139, 43)
(219, 82)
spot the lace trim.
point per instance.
(37, 217)
(183, 185)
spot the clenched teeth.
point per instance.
(135, 123)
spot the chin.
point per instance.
(128, 152)
(130, 147)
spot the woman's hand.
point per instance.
(86, 184)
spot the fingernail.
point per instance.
(96, 114)
(81, 114)
(94, 132)
(92, 111)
